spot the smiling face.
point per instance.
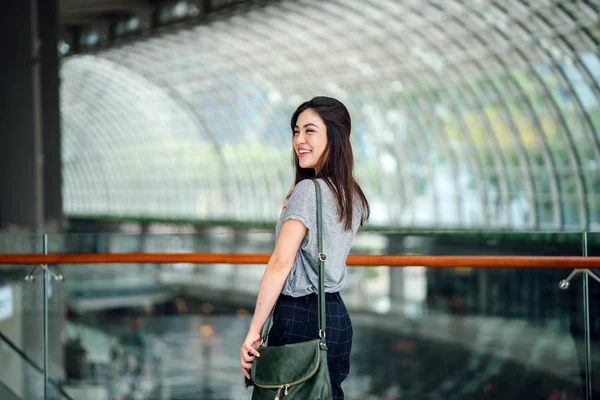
(310, 139)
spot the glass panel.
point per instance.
(22, 244)
(418, 332)
(511, 315)
(21, 338)
(118, 314)
(592, 63)
(593, 250)
(15, 374)
(21, 322)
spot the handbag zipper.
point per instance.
(278, 397)
(286, 386)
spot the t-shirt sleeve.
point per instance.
(302, 204)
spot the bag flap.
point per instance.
(286, 365)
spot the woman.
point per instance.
(322, 150)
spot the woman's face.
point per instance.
(310, 138)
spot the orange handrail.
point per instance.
(354, 260)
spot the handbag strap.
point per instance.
(321, 266)
(321, 276)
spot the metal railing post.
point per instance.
(586, 325)
(45, 312)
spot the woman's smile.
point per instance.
(303, 153)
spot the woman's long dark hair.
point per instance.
(337, 162)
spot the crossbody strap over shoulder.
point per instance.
(321, 263)
(320, 272)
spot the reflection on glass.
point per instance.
(173, 330)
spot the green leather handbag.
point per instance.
(296, 371)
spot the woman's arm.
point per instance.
(277, 271)
(278, 268)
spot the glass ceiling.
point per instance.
(466, 114)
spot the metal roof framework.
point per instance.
(476, 114)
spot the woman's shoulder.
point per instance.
(302, 193)
(308, 182)
(304, 187)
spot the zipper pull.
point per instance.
(286, 390)
(278, 397)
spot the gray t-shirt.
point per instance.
(337, 241)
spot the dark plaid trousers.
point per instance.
(296, 320)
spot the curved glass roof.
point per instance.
(477, 114)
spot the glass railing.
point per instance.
(593, 286)
(172, 330)
(21, 337)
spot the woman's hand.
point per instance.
(249, 351)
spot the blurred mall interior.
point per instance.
(162, 126)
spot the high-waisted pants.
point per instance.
(295, 319)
